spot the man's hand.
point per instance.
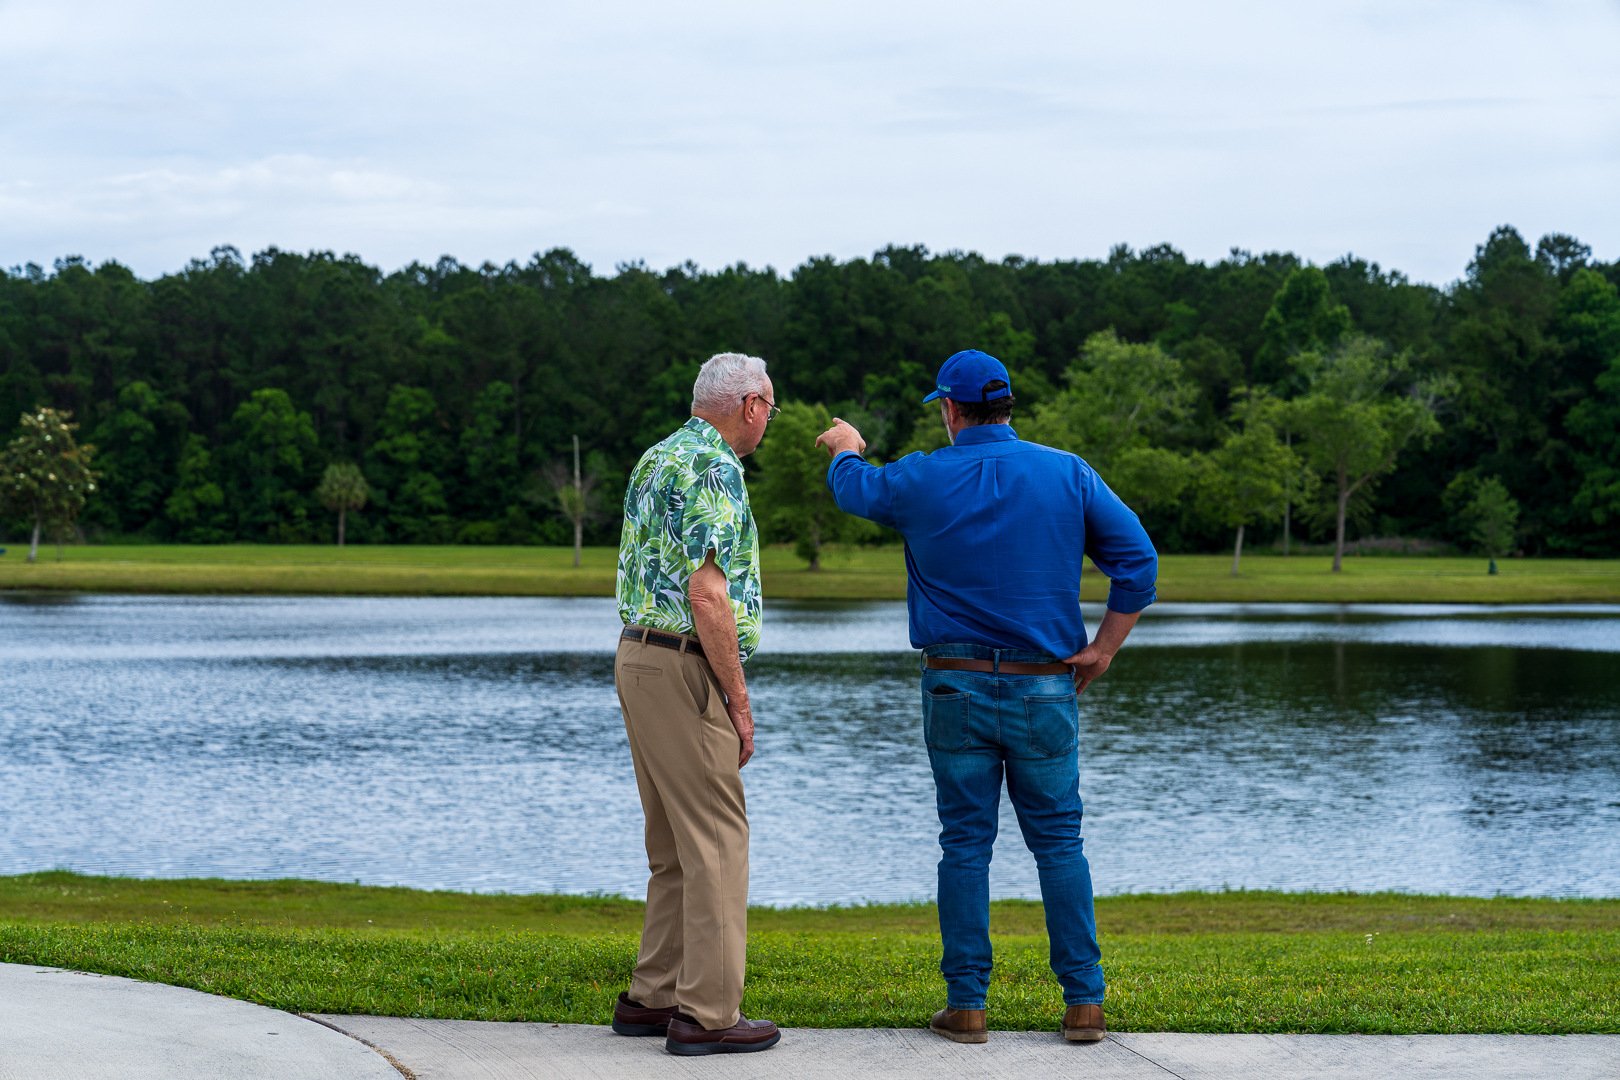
(1089, 663)
(742, 718)
(717, 629)
(840, 437)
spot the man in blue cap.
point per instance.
(996, 530)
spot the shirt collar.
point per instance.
(986, 433)
(711, 435)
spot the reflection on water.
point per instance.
(477, 744)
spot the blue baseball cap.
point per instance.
(965, 375)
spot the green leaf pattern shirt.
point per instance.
(686, 498)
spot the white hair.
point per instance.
(724, 380)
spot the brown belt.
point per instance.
(678, 642)
(1008, 667)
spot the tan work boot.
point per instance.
(1084, 1023)
(960, 1025)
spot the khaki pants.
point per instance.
(694, 942)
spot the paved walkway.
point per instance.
(60, 1025)
(66, 1025)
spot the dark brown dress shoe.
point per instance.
(689, 1038)
(960, 1025)
(1084, 1023)
(634, 1018)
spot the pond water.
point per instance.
(476, 744)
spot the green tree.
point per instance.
(1123, 404)
(790, 495)
(1596, 421)
(45, 476)
(269, 459)
(343, 488)
(1353, 421)
(1589, 325)
(1492, 515)
(1303, 317)
(196, 509)
(489, 454)
(410, 440)
(138, 451)
(1245, 480)
(1117, 396)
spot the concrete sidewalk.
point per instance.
(63, 1025)
(469, 1049)
(66, 1025)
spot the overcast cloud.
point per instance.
(1402, 131)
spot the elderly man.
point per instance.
(688, 592)
(996, 530)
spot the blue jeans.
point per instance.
(980, 726)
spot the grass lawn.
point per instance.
(1244, 962)
(848, 574)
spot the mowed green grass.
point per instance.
(848, 573)
(1222, 962)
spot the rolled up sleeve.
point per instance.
(1119, 547)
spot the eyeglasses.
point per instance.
(769, 405)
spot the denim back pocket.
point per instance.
(945, 718)
(1052, 724)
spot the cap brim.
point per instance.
(931, 397)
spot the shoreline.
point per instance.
(848, 573)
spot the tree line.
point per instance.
(271, 398)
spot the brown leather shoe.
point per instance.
(634, 1018)
(960, 1025)
(1084, 1023)
(689, 1038)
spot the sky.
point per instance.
(151, 131)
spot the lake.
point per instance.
(476, 744)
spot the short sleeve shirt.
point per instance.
(686, 498)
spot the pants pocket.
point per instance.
(945, 718)
(699, 683)
(1052, 724)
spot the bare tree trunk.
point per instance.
(1338, 539)
(33, 545)
(343, 513)
(1237, 551)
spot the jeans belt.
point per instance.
(678, 642)
(1008, 667)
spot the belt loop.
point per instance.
(644, 633)
(685, 641)
(995, 662)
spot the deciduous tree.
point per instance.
(1359, 412)
(45, 476)
(790, 497)
(1245, 480)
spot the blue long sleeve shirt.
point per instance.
(996, 531)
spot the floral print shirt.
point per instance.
(686, 498)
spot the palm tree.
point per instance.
(343, 488)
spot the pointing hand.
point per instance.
(840, 437)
